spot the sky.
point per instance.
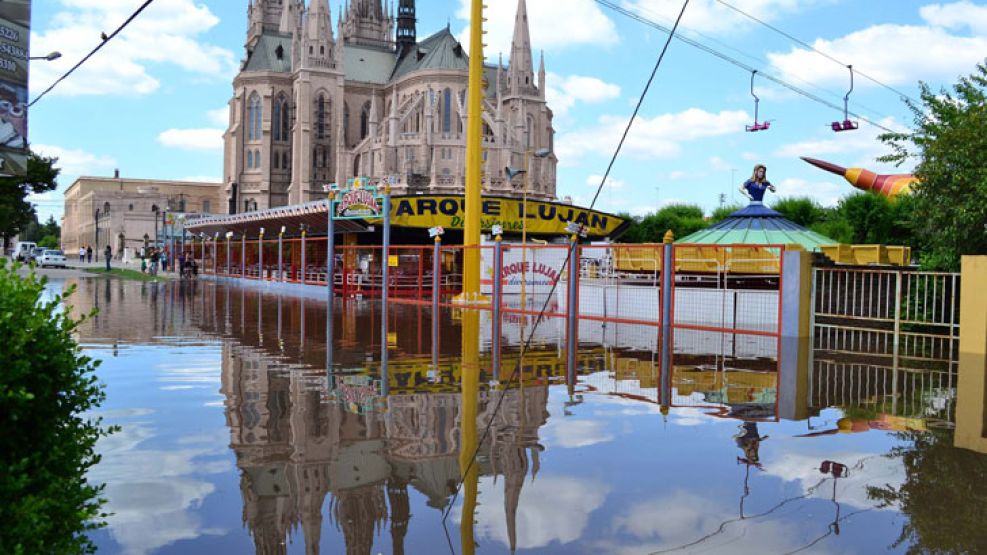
(153, 102)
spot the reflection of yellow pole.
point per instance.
(474, 160)
(468, 468)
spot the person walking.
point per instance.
(164, 261)
(89, 254)
(181, 265)
(82, 255)
(154, 262)
(108, 255)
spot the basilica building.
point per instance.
(316, 103)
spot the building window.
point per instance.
(529, 133)
(250, 159)
(365, 121)
(255, 115)
(346, 123)
(205, 207)
(447, 111)
(281, 122)
(130, 207)
(320, 117)
(285, 162)
(257, 159)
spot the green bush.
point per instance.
(48, 444)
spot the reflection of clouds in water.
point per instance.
(876, 471)
(551, 508)
(150, 492)
(682, 518)
(695, 417)
(569, 433)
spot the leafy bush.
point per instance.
(47, 444)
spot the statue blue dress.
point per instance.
(755, 187)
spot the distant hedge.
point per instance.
(47, 444)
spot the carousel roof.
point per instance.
(757, 225)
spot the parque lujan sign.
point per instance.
(548, 218)
(15, 34)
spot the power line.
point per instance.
(106, 39)
(804, 44)
(696, 44)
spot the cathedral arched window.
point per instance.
(447, 111)
(257, 160)
(255, 114)
(285, 161)
(250, 159)
(529, 135)
(281, 123)
(365, 121)
(320, 117)
(346, 123)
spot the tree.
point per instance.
(15, 211)
(682, 219)
(723, 212)
(801, 210)
(48, 444)
(950, 145)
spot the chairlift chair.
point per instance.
(846, 124)
(762, 126)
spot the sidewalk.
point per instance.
(101, 265)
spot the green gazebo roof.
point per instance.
(757, 225)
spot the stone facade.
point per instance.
(120, 211)
(311, 107)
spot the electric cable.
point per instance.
(804, 44)
(105, 40)
(746, 67)
(565, 263)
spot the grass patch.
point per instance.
(125, 274)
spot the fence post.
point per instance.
(281, 256)
(795, 308)
(243, 255)
(304, 268)
(896, 343)
(667, 276)
(260, 255)
(572, 312)
(331, 250)
(971, 424)
(497, 298)
(228, 266)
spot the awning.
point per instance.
(313, 215)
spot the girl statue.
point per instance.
(755, 187)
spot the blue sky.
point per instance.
(153, 102)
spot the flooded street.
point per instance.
(246, 428)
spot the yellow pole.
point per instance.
(470, 387)
(474, 160)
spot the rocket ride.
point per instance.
(866, 180)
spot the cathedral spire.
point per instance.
(521, 73)
(541, 75)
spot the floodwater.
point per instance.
(236, 437)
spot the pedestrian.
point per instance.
(82, 254)
(143, 265)
(154, 262)
(164, 261)
(181, 265)
(89, 254)
(108, 255)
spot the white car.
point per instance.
(50, 257)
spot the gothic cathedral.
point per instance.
(311, 107)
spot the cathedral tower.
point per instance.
(406, 36)
(262, 15)
(368, 23)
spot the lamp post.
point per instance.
(50, 57)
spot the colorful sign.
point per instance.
(15, 34)
(360, 203)
(547, 218)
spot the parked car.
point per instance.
(49, 257)
(35, 253)
(22, 252)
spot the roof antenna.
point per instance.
(846, 124)
(764, 126)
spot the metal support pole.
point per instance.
(281, 256)
(667, 275)
(303, 256)
(572, 312)
(897, 346)
(385, 274)
(243, 256)
(331, 251)
(497, 298)
(436, 293)
(203, 250)
(260, 255)
(228, 255)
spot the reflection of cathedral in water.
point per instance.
(294, 449)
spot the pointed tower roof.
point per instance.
(521, 63)
(319, 20)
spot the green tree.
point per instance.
(48, 445)
(682, 219)
(723, 212)
(15, 211)
(802, 210)
(869, 217)
(950, 145)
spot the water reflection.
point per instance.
(729, 443)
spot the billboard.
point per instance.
(15, 36)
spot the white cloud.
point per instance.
(612, 184)
(657, 137)
(553, 25)
(896, 54)
(710, 16)
(827, 193)
(562, 93)
(957, 15)
(551, 508)
(570, 434)
(868, 470)
(167, 32)
(192, 139)
(76, 162)
(219, 116)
